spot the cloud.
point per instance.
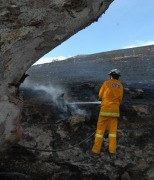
(140, 43)
(49, 59)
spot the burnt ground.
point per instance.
(52, 146)
(58, 137)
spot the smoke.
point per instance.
(52, 91)
(56, 94)
(76, 110)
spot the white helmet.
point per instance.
(114, 71)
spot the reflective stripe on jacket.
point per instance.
(111, 94)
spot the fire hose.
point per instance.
(8, 174)
(86, 139)
(82, 103)
(64, 149)
(55, 150)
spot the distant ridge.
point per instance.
(136, 65)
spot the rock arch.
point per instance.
(28, 30)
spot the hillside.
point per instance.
(136, 65)
(58, 136)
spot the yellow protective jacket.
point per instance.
(111, 94)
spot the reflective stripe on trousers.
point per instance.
(99, 135)
(112, 135)
(110, 114)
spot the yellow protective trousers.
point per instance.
(103, 123)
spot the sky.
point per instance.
(126, 24)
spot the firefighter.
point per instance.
(111, 94)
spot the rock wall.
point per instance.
(30, 29)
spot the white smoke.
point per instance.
(77, 110)
(56, 95)
(51, 90)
